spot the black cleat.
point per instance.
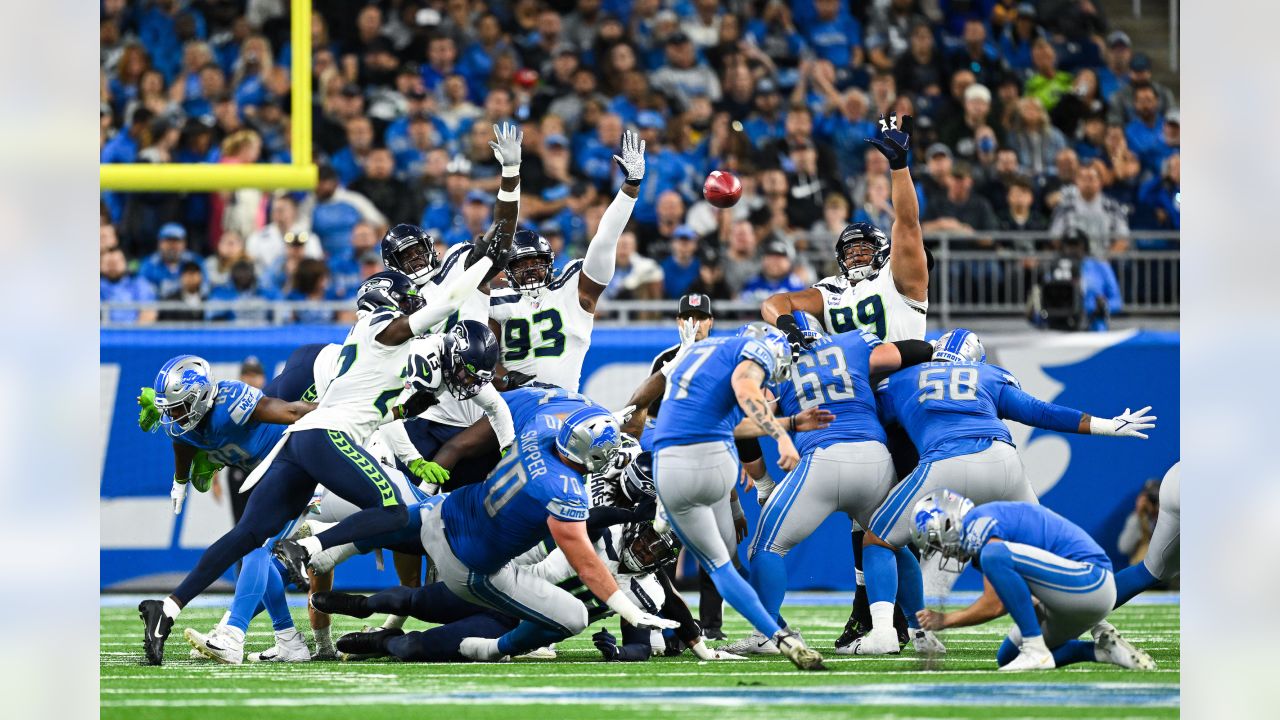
(713, 633)
(294, 558)
(155, 626)
(367, 644)
(900, 624)
(852, 631)
(340, 603)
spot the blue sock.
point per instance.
(1007, 652)
(997, 566)
(880, 573)
(527, 636)
(735, 590)
(1133, 580)
(910, 585)
(276, 603)
(250, 587)
(1074, 651)
(769, 580)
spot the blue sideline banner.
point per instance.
(1092, 481)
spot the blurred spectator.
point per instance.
(1083, 207)
(551, 230)
(921, 69)
(350, 160)
(1046, 83)
(335, 211)
(116, 284)
(473, 221)
(1077, 292)
(1141, 523)
(391, 196)
(635, 277)
(835, 36)
(1018, 37)
(1115, 73)
(742, 260)
(345, 274)
(808, 186)
(1066, 164)
(252, 373)
(876, 165)
(1090, 141)
(1120, 168)
(1145, 131)
(439, 214)
(1082, 102)
(310, 283)
(682, 76)
(875, 207)
(680, 268)
(889, 32)
(775, 273)
(656, 241)
(279, 276)
(571, 105)
(1122, 103)
(932, 186)
(766, 123)
(231, 250)
(1035, 140)
(242, 287)
(977, 54)
(1164, 194)
(711, 281)
(960, 210)
(162, 268)
(999, 177)
(1019, 214)
(835, 216)
(266, 246)
(963, 133)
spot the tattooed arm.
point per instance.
(748, 379)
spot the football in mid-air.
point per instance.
(722, 189)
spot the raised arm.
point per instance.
(907, 259)
(598, 264)
(748, 382)
(447, 298)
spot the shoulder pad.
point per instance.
(757, 351)
(450, 259)
(239, 399)
(569, 271)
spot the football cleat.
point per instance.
(754, 644)
(1111, 647)
(876, 642)
(155, 628)
(294, 558)
(370, 644)
(481, 650)
(289, 647)
(542, 653)
(801, 655)
(714, 633)
(926, 643)
(224, 644)
(325, 654)
(340, 603)
(1033, 655)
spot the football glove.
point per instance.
(764, 488)
(703, 652)
(203, 471)
(624, 415)
(629, 611)
(688, 332)
(148, 415)
(178, 493)
(661, 523)
(607, 644)
(514, 379)
(429, 471)
(506, 148)
(632, 160)
(1126, 424)
(799, 343)
(895, 139)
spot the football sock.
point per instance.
(769, 580)
(525, 637)
(910, 585)
(1131, 581)
(440, 644)
(879, 567)
(251, 585)
(1074, 651)
(363, 524)
(171, 608)
(734, 589)
(324, 638)
(997, 566)
(1007, 652)
(274, 599)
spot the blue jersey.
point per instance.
(1034, 525)
(538, 398)
(835, 375)
(952, 409)
(490, 523)
(228, 434)
(699, 405)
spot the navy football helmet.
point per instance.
(874, 246)
(469, 358)
(637, 480)
(391, 289)
(529, 263)
(410, 250)
(643, 549)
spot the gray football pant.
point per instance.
(1163, 559)
(987, 476)
(852, 478)
(694, 482)
(1074, 596)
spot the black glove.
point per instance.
(787, 324)
(607, 644)
(418, 403)
(895, 139)
(514, 379)
(494, 244)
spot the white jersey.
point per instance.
(325, 368)
(450, 410)
(548, 337)
(874, 305)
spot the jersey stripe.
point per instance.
(503, 299)
(448, 264)
(570, 270)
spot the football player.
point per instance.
(543, 320)
(952, 408)
(1028, 555)
(1163, 559)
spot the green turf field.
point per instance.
(579, 685)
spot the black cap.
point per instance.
(677, 38)
(695, 304)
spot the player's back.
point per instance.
(1034, 525)
(489, 523)
(874, 305)
(835, 375)
(228, 433)
(529, 401)
(548, 337)
(948, 409)
(699, 403)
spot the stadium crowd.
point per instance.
(1030, 116)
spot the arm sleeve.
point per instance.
(604, 516)
(1014, 404)
(450, 296)
(499, 414)
(675, 608)
(749, 450)
(602, 253)
(554, 568)
(243, 406)
(397, 440)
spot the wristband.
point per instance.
(509, 195)
(181, 481)
(622, 605)
(510, 171)
(632, 183)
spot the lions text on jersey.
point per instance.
(874, 305)
(545, 337)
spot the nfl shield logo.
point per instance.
(695, 300)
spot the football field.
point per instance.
(578, 684)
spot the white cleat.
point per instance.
(481, 650)
(882, 641)
(754, 644)
(224, 644)
(800, 655)
(290, 646)
(326, 560)
(926, 643)
(542, 653)
(1033, 655)
(1111, 647)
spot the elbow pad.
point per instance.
(914, 352)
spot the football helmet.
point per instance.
(590, 437)
(410, 250)
(809, 325)
(637, 479)
(959, 345)
(937, 526)
(389, 288)
(529, 263)
(643, 549)
(184, 393)
(777, 342)
(868, 235)
(469, 358)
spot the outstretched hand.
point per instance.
(894, 141)
(506, 148)
(631, 161)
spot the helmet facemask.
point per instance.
(857, 260)
(937, 528)
(644, 550)
(464, 380)
(529, 274)
(415, 258)
(184, 395)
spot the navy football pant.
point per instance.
(435, 603)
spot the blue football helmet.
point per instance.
(959, 345)
(937, 526)
(590, 437)
(870, 238)
(529, 263)
(391, 289)
(469, 359)
(184, 393)
(410, 250)
(809, 325)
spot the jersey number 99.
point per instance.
(868, 315)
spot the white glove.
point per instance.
(624, 457)
(688, 331)
(507, 146)
(703, 652)
(178, 493)
(632, 613)
(764, 488)
(1126, 424)
(632, 160)
(624, 415)
(661, 523)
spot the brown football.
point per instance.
(722, 189)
